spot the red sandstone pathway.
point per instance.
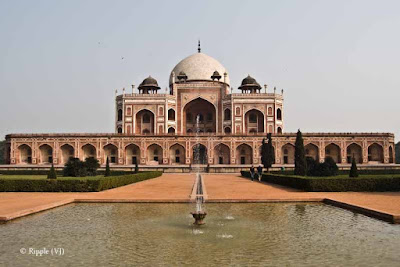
(167, 188)
(178, 187)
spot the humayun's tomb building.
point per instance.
(198, 111)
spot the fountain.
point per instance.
(199, 214)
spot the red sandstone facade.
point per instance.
(221, 149)
(198, 113)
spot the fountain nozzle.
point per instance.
(199, 217)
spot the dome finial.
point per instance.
(198, 47)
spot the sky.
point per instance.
(337, 61)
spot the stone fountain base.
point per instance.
(199, 217)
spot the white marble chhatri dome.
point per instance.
(199, 66)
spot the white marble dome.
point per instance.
(199, 66)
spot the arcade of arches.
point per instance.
(172, 150)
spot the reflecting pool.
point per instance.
(259, 234)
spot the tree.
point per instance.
(92, 164)
(311, 166)
(52, 173)
(300, 166)
(353, 170)
(108, 172)
(136, 167)
(397, 151)
(327, 168)
(75, 168)
(267, 153)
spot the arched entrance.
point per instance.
(244, 154)
(171, 114)
(171, 130)
(177, 154)
(288, 154)
(333, 151)
(111, 152)
(254, 121)
(88, 151)
(132, 154)
(67, 151)
(199, 154)
(279, 114)
(311, 151)
(375, 153)
(354, 151)
(25, 154)
(222, 154)
(46, 154)
(119, 114)
(202, 112)
(154, 154)
(144, 122)
(227, 114)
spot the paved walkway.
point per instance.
(219, 188)
(167, 188)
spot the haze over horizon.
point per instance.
(338, 61)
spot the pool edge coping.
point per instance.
(384, 216)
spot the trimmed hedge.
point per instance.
(71, 184)
(117, 181)
(360, 171)
(59, 172)
(333, 184)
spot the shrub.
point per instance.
(75, 168)
(330, 167)
(136, 167)
(108, 172)
(92, 165)
(116, 181)
(52, 173)
(73, 184)
(300, 167)
(327, 168)
(311, 165)
(59, 172)
(333, 184)
(353, 170)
